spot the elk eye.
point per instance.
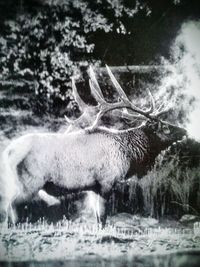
(166, 129)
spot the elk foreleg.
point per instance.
(104, 208)
(96, 203)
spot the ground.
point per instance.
(126, 239)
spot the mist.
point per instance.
(180, 87)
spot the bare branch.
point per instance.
(138, 68)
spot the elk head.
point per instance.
(163, 133)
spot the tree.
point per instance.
(45, 47)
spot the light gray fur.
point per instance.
(73, 161)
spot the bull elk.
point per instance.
(86, 156)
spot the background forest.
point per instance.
(44, 43)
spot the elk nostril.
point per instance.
(3, 216)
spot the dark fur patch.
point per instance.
(22, 168)
(56, 190)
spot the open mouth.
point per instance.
(180, 141)
(184, 138)
(175, 143)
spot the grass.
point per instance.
(168, 186)
(67, 239)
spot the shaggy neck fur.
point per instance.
(139, 146)
(140, 149)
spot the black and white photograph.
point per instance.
(99, 133)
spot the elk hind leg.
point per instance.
(9, 189)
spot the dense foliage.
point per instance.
(46, 46)
(44, 43)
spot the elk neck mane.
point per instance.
(135, 145)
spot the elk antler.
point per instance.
(81, 104)
(125, 99)
(123, 108)
(88, 115)
(123, 103)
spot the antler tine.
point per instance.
(122, 94)
(94, 81)
(69, 121)
(126, 115)
(160, 110)
(125, 99)
(81, 104)
(104, 106)
(79, 123)
(117, 86)
(98, 97)
(152, 103)
(82, 120)
(95, 88)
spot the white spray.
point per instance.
(183, 81)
